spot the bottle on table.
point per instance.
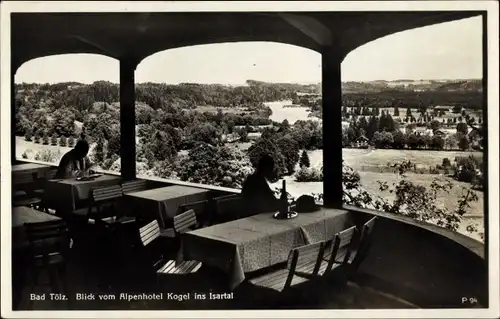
(283, 200)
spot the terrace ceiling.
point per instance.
(138, 35)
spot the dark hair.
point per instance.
(82, 147)
(265, 162)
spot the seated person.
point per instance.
(256, 193)
(74, 162)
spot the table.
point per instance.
(21, 215)
(39, 169)
(164, 202)
(68, 193)
(260, 241)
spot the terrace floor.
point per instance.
(94, 269)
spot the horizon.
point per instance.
(244, 84)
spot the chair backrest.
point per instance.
(228, 209)
(311, 254)
(365, 242)
(149, 232)
(368, 229)
(200, 208)
(134, 186)
(184, 221)
(107, 193)
(343, 247)
(48, 238)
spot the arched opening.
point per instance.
(410, 102)
(60, 97)
(234, 98)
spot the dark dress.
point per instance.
(257, 195)
(70, 163)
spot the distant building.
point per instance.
(439, 132)
(443, 108)
(254, 136)
(362, 141)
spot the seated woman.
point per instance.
(256, 193)
(74, 162)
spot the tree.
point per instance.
(399, 140)
(462, 128)
(160, 147)
(113, 146)
(463, 141)
(383, 139)
(408, 112)
(267, 147)
(373, 125)
(99, 151)
(290, 151)
(304, 160)
(437, 142)
(396, 111)
(212, 165)
(64, 122)
(435, 125)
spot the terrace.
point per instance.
(409, 264)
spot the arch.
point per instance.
(370, 34)
(222, 42)
(53, 56)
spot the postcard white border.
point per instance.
(123, 6)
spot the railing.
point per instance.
(473, 245)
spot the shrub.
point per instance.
(48, 156)
(53, 139)
(71, 141)
(466, 169)
(37, 139)
(45, 139)
(309, 175)
(446, 162)
(28, 136)
(62, 141)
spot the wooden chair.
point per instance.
(41, 186)
(150, 234)
(365, 242)
(342, 253)
(303, 265)
(228, 209)
(134, 186)
(105, 200)
(23, 187)
(182, 223)
(200, 209)
(49, 245)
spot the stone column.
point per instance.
(332, 127)
(127, 117)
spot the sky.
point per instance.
(451, 50)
